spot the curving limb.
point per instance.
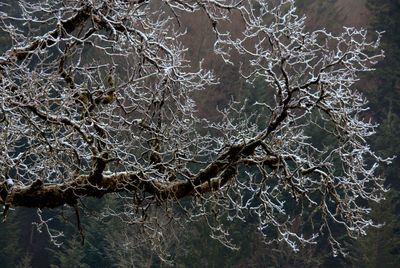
(100, 101)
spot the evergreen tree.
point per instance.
(381, 247)
(70, 255)
(9, 242)
(384, 94)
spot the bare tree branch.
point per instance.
(96, 98)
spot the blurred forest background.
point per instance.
(111, 244)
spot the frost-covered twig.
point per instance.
(100, 101)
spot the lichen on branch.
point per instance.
(98, 98)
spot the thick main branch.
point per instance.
(212, 178)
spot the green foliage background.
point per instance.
(22, 246)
